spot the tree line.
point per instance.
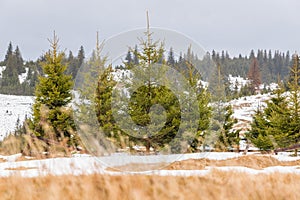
(52, 79)
(14, 67)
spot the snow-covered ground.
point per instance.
(245, 107)
(23, 76)
(86, 164)
(13, 108)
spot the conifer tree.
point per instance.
(171, 59)
(80, 56)
(294, 89)
(222, 121)
(254, 75)
(19, 61)
(52, 117)
(271, 127)
(135, 56)
(9, 53)
(128, 58)
(150, 94)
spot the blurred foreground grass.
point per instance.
(216, 185)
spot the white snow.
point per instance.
(11, 108)
(23, 76)
(86, 164)
(245, 107)
(237, 81)
(2, 68)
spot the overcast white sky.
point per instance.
(233, 25)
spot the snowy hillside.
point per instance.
(11, 108)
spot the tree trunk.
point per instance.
(148, 144)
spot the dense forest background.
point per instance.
(19, 76)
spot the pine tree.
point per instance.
(19, 61)
(103, 100)
(80, 56)
(135, 56)
(229, 138)
(150, 94)
(271, 127)
(171, 59)
(205, 110)
(222, 121)
(52, 117)
(254, 75)
(128, 58)
(9, 53)
(294, 89)
(94, 84)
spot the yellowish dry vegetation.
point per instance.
(251, 161)
(216, 185)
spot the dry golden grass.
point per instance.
(216, 185)
(137, 167)
(20, 168)
(251, 161)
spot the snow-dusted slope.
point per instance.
(11, 108)
(244, 108)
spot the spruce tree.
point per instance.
(254, 75)
(19, 61)
(9, 53)
(271, 127)
(171, 59)
(80, 56)
(52, 116)
(151, 94)
(294, 89)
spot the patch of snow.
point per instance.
(237, 81)
(2, 68)
(11, 108)
(11, 158)
(23, 76)
(86, 164)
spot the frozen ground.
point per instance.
(86, 164)
(11, 108)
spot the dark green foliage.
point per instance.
(139, 109)
(103, 102)
(270, 128)
(52, 118)
(171, 59)
(9, 53)
(74, 63)
(228, 138)
(278, 125)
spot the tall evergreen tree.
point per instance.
(135, 56)
(52, 117)
(9, 53)
(80, 56)
(171, 59)
(19, 61)
(271, 127)
(254, 75)
(294, 89)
